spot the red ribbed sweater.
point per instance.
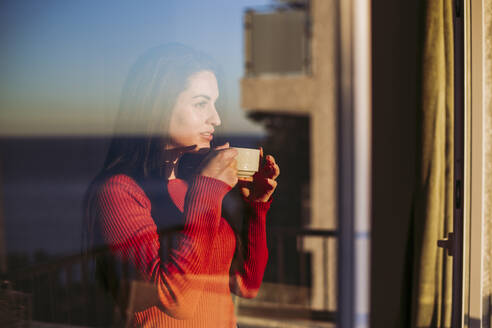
(194, 281)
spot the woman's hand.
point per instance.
(264, 181)
(221, 164)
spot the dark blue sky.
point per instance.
(63, 63)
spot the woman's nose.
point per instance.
(214, 117)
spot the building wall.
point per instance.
(313, 95)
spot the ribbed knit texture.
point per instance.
(193, 281)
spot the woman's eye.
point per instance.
(201, 104)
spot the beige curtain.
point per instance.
(431, 267)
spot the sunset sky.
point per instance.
(63, 63)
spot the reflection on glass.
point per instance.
(170, 234)
(144, 190)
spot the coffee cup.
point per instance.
(248, 161)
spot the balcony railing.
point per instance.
(63, 291)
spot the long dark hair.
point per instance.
(141, 128)
(138, 147)
(148, 97)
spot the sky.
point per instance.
(63, 63)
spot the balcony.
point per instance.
(61, 292)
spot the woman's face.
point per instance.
(194, 116)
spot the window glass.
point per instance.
(115, 202)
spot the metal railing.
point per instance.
(281, 300)
(277, 236)
(64, 290)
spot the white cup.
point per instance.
(248, 161)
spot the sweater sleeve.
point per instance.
(246, 279)
(129, 229)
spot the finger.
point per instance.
(270, 169)
(269, 188)
(272, 183)
(244, 183)
(273, 167)
(269, 162)
(229, 153)
(224, 146)
(266, 184)
(244, 191)
(247, 180)
(276, 171)
(203, 151)
(227, 159)
(270, 159)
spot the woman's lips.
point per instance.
(207, 136)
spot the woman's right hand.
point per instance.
(221, 164)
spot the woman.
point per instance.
(171, 94)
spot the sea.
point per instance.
(42, 185)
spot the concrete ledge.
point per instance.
(287, 94)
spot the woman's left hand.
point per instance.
(264, 181)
